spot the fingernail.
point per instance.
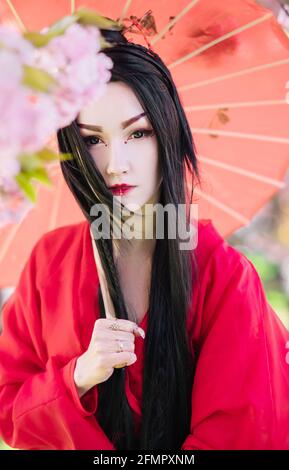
(141, 332)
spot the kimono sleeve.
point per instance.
(240, 395)
(39, 404)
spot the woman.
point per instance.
(211, 372)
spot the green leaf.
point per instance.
(29, 161)
(91, 17)
(82, 16)
(65, 156)
(41, 175)
(33, 161)
(37, 79)
(39, 39)
(47, 155)
(26, 186)
(56, 29)
(59, 27)
(105, 44)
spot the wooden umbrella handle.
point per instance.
(108, 305)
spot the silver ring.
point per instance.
(114, 326)
(120, 346)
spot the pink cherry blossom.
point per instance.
(28, 117)
(9, 167)
(75, 43)
(13, 40)
(11, 69)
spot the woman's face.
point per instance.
(123, 144)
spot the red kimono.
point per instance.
(240, 395)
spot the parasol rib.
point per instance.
(173, 21)
(125, 8)
(16, 15)
(241, 171)
(241, 135)
(236, 215)
(233, 75)
(245, 104)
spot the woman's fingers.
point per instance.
(109, 360)
(111, 346)
(114, 345)
(118, 327)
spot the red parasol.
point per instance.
(230, 62)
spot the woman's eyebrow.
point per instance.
(124, 124)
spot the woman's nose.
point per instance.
(117, 159)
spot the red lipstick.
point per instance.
(121, 189)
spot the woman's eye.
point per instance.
(92, 140)
(145, 132)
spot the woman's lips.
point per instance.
(121, 189)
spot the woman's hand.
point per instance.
(97, 363)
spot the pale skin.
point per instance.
(127, 156)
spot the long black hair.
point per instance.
(169, 361)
